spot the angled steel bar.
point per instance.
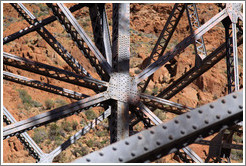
(161, 140)
(194, 23)
(43, 86)
(101, 31)
(96, 22)
(51, 40)
(49, 158)
(165, 36)
(51, 71)
(194, 73)
(156, 100)
(38, 25)
(54, 114)
(224, 145)
(181, 46)
(81, 39)
(157, 121)
(25, 139)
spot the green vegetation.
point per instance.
(90, 143)
(67, 126)
(60, 102)
(49, 103)
(40, 135)
(61, 158)
(74, 125)
(102, 133)
(80, 151)
(55, 133)
(90, 114)
(160, 114)
(27, 100)
(237, 155)
(155, 90)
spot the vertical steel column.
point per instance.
(194, 23)
(119, 121)
(234, 41)
(229, 56)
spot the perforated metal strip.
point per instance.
(160, 140)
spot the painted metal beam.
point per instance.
(181, 46)
(160, 140)
(54, 114)
(43, 86)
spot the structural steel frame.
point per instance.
(121, 95)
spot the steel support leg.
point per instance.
(121, 53)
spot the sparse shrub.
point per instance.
(160, 114)
(74, 125)
(89, 143)
(54, 131)
(60, 102)
(49, 103)
(90, 114)
(37, 104)
(237, 155)
(61, 158)
(25, 97)
(137, 71)
(155, 90)
(102, 133)
(81, 151)
(83, 122)
(39, 135)
(67, 126)
(27, 100)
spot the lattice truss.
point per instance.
(121, 95)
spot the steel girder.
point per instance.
(160, 140)
(122, 94)
(25, 139)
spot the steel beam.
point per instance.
(43, 86)
(157, 121)
(101, 30)
(181, 46)
(160, 140)
(51, 71)
(223, 145)
(38, 25)
(81, 39)
(54, 114)
(121, 54)
(50, 157)
(51, 40)
(155, 100)
(25, 139)
(194, 72)
(165, 36)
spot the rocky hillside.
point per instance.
(147, 21)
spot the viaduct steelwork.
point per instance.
(121, 95)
